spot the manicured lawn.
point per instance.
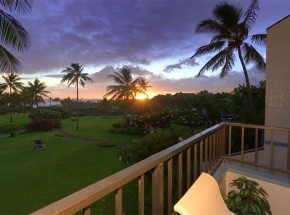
(30, 180)
(98, 126)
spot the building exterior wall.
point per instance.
(278, 75)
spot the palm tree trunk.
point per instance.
(248, 86)
(77, 105)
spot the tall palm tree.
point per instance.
(13, 34)
(37, 91)
(125, 88)
(230, 29)
(75, 76)
(12, 81)
(143, 86)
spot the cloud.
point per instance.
(179, 65)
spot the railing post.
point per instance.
(272, 149)
(288, 152)
(188, 168)
(118, 202)
(230, 140)
(157, 190)
(201, 156)
(141, 195)
(242, 142)
(170, 181)
(86, 211)
(180, 172)
(256, 144)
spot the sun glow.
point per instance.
(141, 96)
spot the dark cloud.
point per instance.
(106, 34)
(187, 62)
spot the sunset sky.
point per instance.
(154, 37)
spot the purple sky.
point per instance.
(154, 37)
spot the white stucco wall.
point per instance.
(278, 75)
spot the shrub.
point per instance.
(9, 128)
(65, 113)
(44, 124)
(44, 114)
(153, 143)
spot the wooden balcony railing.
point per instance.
(175, 168)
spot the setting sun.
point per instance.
(141, 96)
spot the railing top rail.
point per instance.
(87, 196)
(258, 126)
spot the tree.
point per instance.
(143, 86)
(230, 29)
(37, 91)
(75, 76)
(125, 88)
(12, 81)
(13, 33)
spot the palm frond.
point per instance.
(227, 15)
(259, 39)
(228, 64)
(251, 14)
(210, 26)
(12, 33)
(210, 48)
(20, 6)
(251, 55)
(8, 63)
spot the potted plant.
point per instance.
(249, 199)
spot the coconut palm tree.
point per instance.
(126, 88)
(37, 91)
(13, 35)
(143, 86)
(12, 81)
(75, 76)
(230, 28)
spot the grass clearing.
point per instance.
(30, 179)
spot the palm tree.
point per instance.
(74, 75)
(143, 86)
(13, 83)
(37, 91)
(13, 34)
(125, 88)
(230, 29)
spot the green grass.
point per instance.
(30, 179)
(98, 127)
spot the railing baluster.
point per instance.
(188, 165)
(180, 157)
(210, 153)
(169, 195)
(230, 140)
(86, 211)
(195, 163)
(157, 190)
(288, 152)
(200, 157)
(272, 149)
(118, 202)
(224, 141)
(141, 195)
(256, 144)
(242, 143)
(206, 154)
(213, 150)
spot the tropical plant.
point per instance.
(126, 87)
(249, 199)
(75, 76)
(143, 86)
(12, 81)
(13, 33)
(230, 29)
(37, 91)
